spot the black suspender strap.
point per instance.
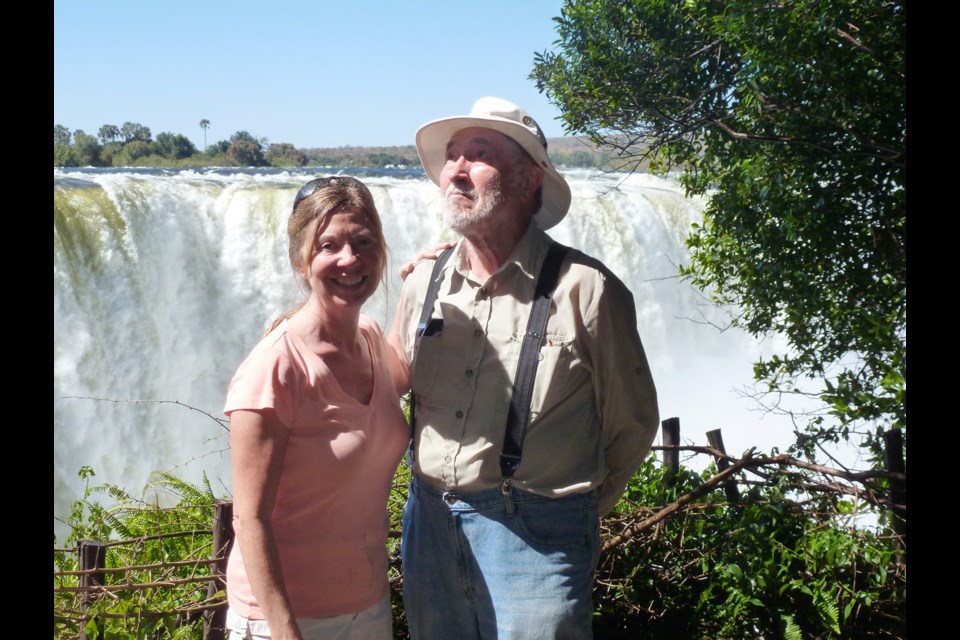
(425, 327)
(527, 366)
(519, 411)
(432, 289)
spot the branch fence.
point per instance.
(96, 580)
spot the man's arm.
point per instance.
(626, 396)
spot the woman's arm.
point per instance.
(257, 443)
(426, 254)
(394, 350)
(399, 364)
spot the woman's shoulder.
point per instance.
(370, 326)
(278, 349)
(277, 338)
(268, 377)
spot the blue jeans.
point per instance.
(473, 571)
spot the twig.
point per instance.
(224, 424)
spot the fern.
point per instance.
(771, 566)
(829, 613)
(184, 490)
(791, 630)
(143, 535)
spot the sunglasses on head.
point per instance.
(311, 187)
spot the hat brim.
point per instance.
(432, 139)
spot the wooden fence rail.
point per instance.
(93, 557)
(93, 572)
(215, 618)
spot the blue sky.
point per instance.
(312, 73)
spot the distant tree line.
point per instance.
(133, 145)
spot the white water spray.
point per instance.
(164, 280)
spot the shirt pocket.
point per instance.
(560, 374)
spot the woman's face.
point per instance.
(345, 269)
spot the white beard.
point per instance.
(461, 219)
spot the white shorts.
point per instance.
(375, 623)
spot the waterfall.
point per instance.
(165, 279)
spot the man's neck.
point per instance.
(485, 252)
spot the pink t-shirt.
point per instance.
(330, 517)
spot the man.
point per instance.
(487, 554)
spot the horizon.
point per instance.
(168, 66)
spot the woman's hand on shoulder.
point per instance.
(427, 254)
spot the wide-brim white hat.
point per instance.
(515, 123)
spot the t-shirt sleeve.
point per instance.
(267, 379)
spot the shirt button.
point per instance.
(477, 332)
(447, 459)
(469, 373)
(459, 414)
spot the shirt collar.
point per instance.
(530, 252)
(527, 256)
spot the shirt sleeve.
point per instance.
(626, 396)
(266, 379)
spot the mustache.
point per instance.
(461, 191)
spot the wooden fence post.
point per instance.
(215, 620)
(893, 452)
(93, 555)
(729, 487)
(671, 459)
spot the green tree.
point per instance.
(246, 150)
(64, 156)
(87, 148)
(245, 153)
(131, 152)
(791, 117)
(244, 136)
(63, 153)
(109, 154)
(285, 154)
(131, 131)
(204, 124)
(108, 133)
(582, 159)
(218, 148)
(61, 135)
(174, 146)
(385, 160)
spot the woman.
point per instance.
(316, 433)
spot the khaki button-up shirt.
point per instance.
(593, 412)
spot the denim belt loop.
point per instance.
(506, 489)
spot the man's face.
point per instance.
(480, 180)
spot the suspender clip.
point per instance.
(505, 487)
